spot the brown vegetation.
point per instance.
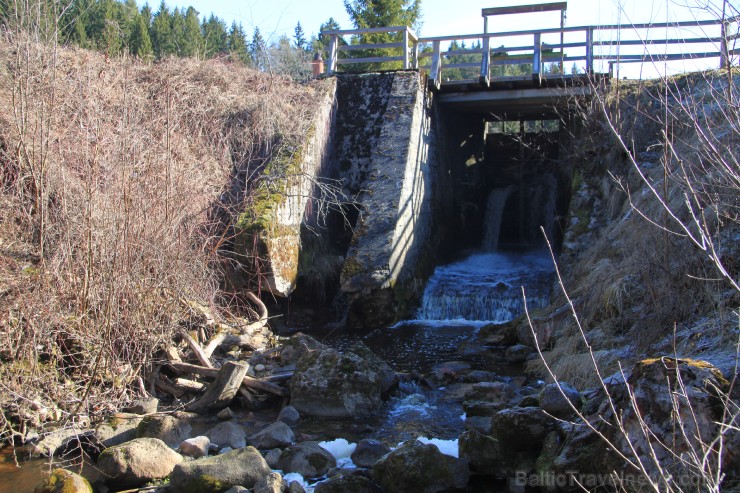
(110, 171)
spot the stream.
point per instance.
(459, 299)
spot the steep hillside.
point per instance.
(650, 255)
(119, 183)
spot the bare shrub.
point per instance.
(109, 170)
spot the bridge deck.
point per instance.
(517, 98)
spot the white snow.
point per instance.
(447, 447)
(339, 448)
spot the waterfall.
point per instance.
(494, 214)
(486, 287)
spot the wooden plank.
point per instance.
(221, 392)
(367, 30)
(641, 42)
(525, 9)
(247, 381)
(376, 59)
(461, 65)
(369, 46)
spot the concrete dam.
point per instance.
(421, 180)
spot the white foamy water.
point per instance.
(486, 288)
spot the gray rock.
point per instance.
(169, 429)
(195, 447)
(272, 483)
(278, 434)
(237, 489)
(289, 415)
(498, 392)
(450, 371)
(227, 434)
(296, 487)
(522, 428)
(147, 405)
(56, 442)
(388, 377)
(491, 457)
(481, 424)
(225, 414)
(332, 384)
(272, 457)
(517, 353)
(560, 401)
(483, 408)
(344, 483)
(308, 459)
(418, 468)
(137, 462)
(63, 481)
(368, 452)
(118, 428)
(242, 467)
(298, 345)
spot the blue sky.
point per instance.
(276, 18)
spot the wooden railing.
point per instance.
(409, 47)
(593, 44)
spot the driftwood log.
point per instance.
(249, 382)
(221, 392)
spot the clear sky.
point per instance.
(276, 18)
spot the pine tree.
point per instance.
(382, 13)
(300, 37)
(192, 36)
(214, 37)
(321, 43)
(258, 50)
(237, 42)
(161, 32)
(140, 44)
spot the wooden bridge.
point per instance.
(479, 79)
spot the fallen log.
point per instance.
(189, 385)
(221, 392)
(197, 349)
(249, 382)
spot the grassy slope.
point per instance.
(635, 285)
(110, 172)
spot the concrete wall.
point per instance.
(402, 209)
(282, 240)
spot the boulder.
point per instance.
(278, 434)
(296, 487)
(345, 483)
(227, 434)
(491, 457)
(57, 442)
(272, 483)
(517, 353)
(481, 424)
(147, 405)
(117, 429)
(289, 415)
(242, 467)
(195, 447)
(332, 384)
(449, 371)
(272, 457)
(308, 459)
(137, 462)
(388, 377)
(497, 392)
(680, 401)
(237, 489)
(560, 399)
(297, 346)
(63, 481)
(483, 408)
(420, 468)
(368, 452)
(498, 334)
(521, 428)
(169, 429)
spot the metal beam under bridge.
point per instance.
(531, 103)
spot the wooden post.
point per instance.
(590, 50)
(406, 48)
(485, 67)
(435, 76)
(333, 45)
(724, 53)
(537, 60)
(415, 54)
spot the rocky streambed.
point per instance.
(334, 435)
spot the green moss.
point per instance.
(63, 481)
(206, 483)
(353, 267)
(318, 461)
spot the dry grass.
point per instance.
(111, 171)
(635, 284)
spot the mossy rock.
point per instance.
(63, 481)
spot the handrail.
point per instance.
(538, 52)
